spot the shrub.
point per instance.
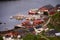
(31, 37)
(1, 38)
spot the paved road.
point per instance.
(9, 8)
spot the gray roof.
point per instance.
(58, 5)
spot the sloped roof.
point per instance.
(49, 7)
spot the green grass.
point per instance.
(31, 37)
(54, 38)
(39, 37)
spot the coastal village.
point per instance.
(35, 23)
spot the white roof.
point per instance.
(19, 25)
(58, 10)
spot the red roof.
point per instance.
(36, 22)
(29, 26)
(43, 9)
(25, 23)
(46, 7)
(32, 12)
(52, 12)
(12, 33)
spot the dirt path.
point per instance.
(47, 22)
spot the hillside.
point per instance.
(55, 21)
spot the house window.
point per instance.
(45, 13)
